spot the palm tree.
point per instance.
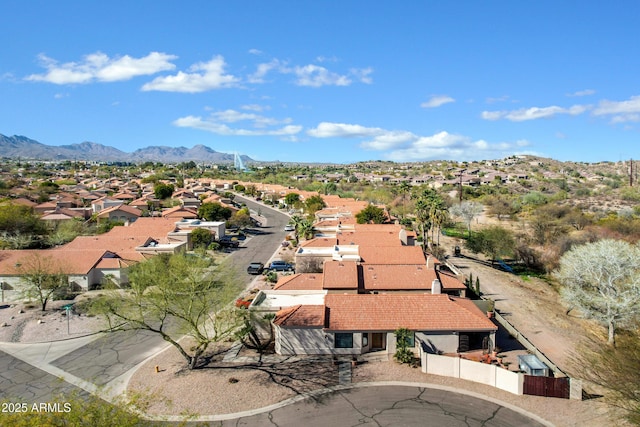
(404, 188)
(306, 229)
(430, 212)
(297, 221)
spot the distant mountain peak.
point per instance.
(19, 146)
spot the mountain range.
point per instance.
(22, 147)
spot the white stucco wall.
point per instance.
(483, 373)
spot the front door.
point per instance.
(378, 341)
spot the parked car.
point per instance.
(229, 242)
(289, 228)
(280, 265)
(255, 268)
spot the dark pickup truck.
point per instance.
(255, 268)
(281, 266)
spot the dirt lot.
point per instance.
(532, 305)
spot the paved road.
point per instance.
(259, 247)
(388, 406)
(22, 382)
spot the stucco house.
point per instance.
(357, 324)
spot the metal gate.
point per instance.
(546, 386)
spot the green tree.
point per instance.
(42, 278)
(404, 189)
(371, 214)
(241, 218)
(163, 191)
(617, 369)
(403, 337)
(494, 242)
(174, 295)
(17, 219)
(201, 238)
(430, 210)
(292, 199)
(298, 222)
(214, 211)
(313, 204)
(602, 279)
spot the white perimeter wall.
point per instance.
(483, 373)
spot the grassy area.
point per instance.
(457, 231)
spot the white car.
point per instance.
(289, 228)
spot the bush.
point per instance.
(271, 277)
(404, 355)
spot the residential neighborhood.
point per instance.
(360, 288)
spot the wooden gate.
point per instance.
(546, 386)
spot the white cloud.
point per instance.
(444, 145)
(502, 98)
(407, 146)
(622, 111)
(625, 118)
(534, 113)
(326, 59)
(363, 75)
(255, 51)
(99, 67)
(316, 76)
(585, 92)
(256, 107)
(437, 101)
(311, 75)
(381, 139)
(388, 140)
(217, 123)
(202, 77)
(263, 69)
(343, 130)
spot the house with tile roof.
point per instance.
(124, 213)
(91, 260)
(357, 324)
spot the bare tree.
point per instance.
(602, 279)
(312, 264)
(467, 210)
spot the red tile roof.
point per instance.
(340, 275)
(388, 312)
(180, 212)
(392, 255)
(396, 277)
(300, 316)
(300, 282)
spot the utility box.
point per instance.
(531, 365)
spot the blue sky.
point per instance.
(327, 81)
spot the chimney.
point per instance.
(436, 287)
(429, 260)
